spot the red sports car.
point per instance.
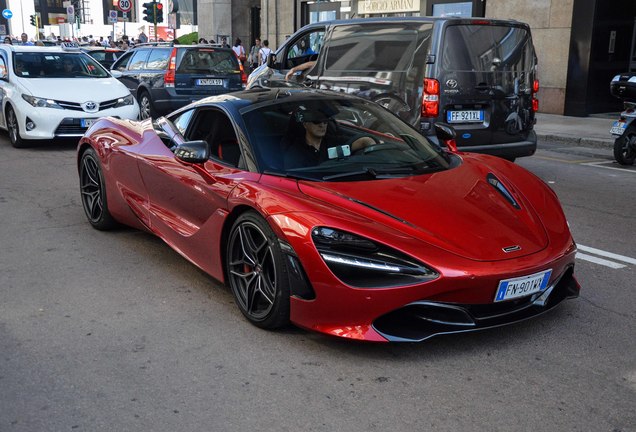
(328, 211)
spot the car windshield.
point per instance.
(208, 60)
(56, 65)
(337, 139)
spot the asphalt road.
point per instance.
(116, 332)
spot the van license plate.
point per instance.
(465, 116)
(209, 82)
(522, 286)
(618, 128)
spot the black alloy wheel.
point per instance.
(256, 272)
(13, 128)
(93, 192)
(625, 147)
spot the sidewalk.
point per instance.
(575, 131)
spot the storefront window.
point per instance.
(459, 9)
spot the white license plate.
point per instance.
(86, 123)
(209, 82)
(522, 286)
(618, 128)
(465, 116)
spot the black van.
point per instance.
(476, 74)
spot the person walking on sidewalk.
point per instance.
(239, 51)
(253, 57)
(263, 53)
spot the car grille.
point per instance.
(422, 319)
(70, 127)
(78, 107)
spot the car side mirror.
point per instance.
(446, 134)
(196, 152)
(116, 74)
(271, 60)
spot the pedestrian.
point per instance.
(239, 51)
(7, 40)
(224, 42)
(253, 57)
(202, 41)
(264, 52)
(142, 37)
(25, 39)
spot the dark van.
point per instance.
(479, 75)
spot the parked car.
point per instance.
(392, 241)
(165, 77)
(480, 75)
(56, 92)
(105, 56)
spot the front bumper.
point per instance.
(63, 123)
(422, 320)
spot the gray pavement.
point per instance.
(575, 131)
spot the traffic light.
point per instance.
(158, 12)
(149, 12)
(33, 20)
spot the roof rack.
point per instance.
(170, 43)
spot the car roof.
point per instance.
(35, 48)
(378, 20)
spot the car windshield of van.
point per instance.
(338, 139)
(56, 65)
(208, 60)
(487, 48)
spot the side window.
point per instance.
(138, 60)
(122, 64)
(304, 48)
(3, 67)
(182, 121)
(216, 128)
(158, 59)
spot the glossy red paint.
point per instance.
(453, 221)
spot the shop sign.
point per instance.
(387, 6)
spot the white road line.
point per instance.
(606, 254)
(600, 165)
(600, 261)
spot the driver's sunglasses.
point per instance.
(320, 122)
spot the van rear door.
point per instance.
(486, 71)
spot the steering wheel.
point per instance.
(356, 137)
(378, 147)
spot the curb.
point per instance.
(603, 143)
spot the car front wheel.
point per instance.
(93, 190)
(14, 129)
(257, 273)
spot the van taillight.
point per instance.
(430, 99)
(535, 101)
(168, 77)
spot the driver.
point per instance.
(307, 141)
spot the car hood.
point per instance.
(460, 210)
(75, 89)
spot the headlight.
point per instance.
(123, 101)
(41, 102)
(364, 263)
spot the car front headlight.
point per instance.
(123, 101)
(41, 102)
(363, 263)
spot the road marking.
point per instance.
(574, 162)
(601, 261)
(601, 165)
(607, 254)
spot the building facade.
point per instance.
(580, 44)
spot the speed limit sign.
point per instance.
(125, 5)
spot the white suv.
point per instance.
(56, 92)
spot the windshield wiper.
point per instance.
(373, 172)
(288, 175)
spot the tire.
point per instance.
(256, 272)
(13, 128)
(146, 110)
(93, 192)
(625, 147)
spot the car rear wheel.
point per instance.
(13, 129)
(256, 272)
(625, 147)
(145, 106)
(93, 191)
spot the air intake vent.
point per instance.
(499, 186)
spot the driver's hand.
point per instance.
(362, 142)
(289, 74)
